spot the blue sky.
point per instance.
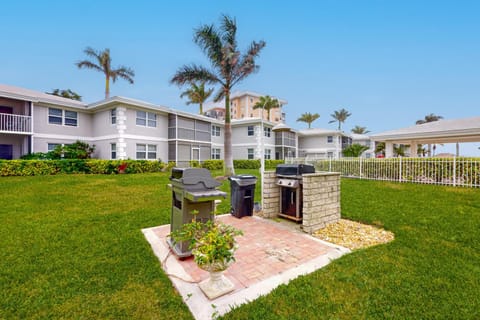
(388, 62)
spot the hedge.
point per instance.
(79, 166)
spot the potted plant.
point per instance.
(213, 248)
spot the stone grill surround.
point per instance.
(321, 199)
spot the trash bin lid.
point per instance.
(244, 179)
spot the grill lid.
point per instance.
(294, 169)
(193, 178)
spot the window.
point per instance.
(268, 154)
(70, 118)
(113, 117)
(141, 151)
(216, 131)
(53, 146)
(330, 139)
(216, 153)
(55, 116)
(251, 131)
(146, 151)
(113, 151)
(146, 119)
(330, 155)
(267, 131)
(65, 117)
(250, 154)
(152, 120)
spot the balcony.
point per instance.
(14, 123)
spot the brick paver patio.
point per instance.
(270, 253)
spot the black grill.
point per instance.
(290, 182)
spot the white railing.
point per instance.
(15, 123)
(443, 171)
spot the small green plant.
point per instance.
(212, 243)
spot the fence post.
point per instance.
(360, 167)
(454, 171)
(400, 170)
(330, 164)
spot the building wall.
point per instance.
(102, 124)
(160, 131)
(18, 107)
(83, 130)
(19, 144)
(242, 107)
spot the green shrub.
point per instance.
(246, 164)
(213, 164)
(272, 164)
(78, 166)
(194, 164)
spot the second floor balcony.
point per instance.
(14, 123)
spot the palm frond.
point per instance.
(209, 40)
(229, 28)
(192, 73)
(89, 65)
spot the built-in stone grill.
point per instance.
(289, 179)
(193, 189)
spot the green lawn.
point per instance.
(71, 247)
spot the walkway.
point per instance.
(270, 253)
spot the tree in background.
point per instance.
(380, 148)
(399, 150)
(266, 103)
(340, 116)
(197, 94)
(77, 150)
(102, 63)
(228, 67)
(360, 130)
(354, 150)
(429, 118)
(69, 94)
(308, 118)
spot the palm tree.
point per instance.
(69, 94)
(360, 130)
(354, 150)
(308, 118)
(340, 116)
(266, 103)
(197, 94)
(228, 68)
(429, 118)
(102, 62)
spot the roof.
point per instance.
(318, 132)
(453, 130)
(128, 101)
(357, 136)
(23, 94)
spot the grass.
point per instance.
(71, 247)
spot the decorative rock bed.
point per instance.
(354, 235)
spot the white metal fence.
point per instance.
(15, 123)
(444, 171)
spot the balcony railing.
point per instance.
(15, 123)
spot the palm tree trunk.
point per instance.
(228, 170)
(201, 108)
(107, 87)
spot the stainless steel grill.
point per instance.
(193, 189)
(289, 178)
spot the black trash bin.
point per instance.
(242, 193)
